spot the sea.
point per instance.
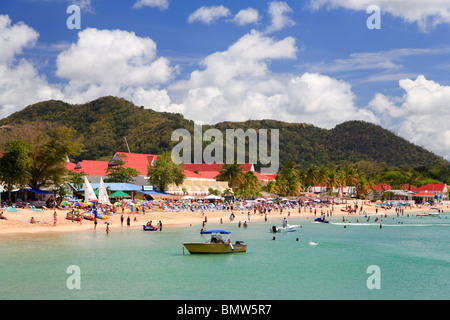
(398, 258)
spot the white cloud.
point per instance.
(420, 116)
(113, 57)
(246, 16)
(20, 82)
(209, 15)
(13, 38)
(237, 85)
(83, 4)
(101, 62)
(278, 12)
(426, 14)
(160, 4)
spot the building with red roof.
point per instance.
(199, 176)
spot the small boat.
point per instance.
(287, 228)
(152, 228)
(216, 244)
(434, 212)
(321, 220)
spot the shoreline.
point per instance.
(18, 222)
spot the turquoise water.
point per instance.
(328, 262)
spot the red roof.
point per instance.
(424, 194)
(92, 168)
(382, 187)
(432, 187)
(265, 176)
(138, 161)
(70, 165)
(410, 187)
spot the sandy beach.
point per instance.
(19, 222)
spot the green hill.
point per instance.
(102, 125)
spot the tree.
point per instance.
(233, 173)
(14, 165)
(165, 172)
(77, 179)
(270, 186)
(121, 174)
(49, 154)
(288, 180)
(118, 173)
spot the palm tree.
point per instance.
(233, 173)
(311, 176)
(288, 180)
(250, 181)
(332, 181)
(271, 187)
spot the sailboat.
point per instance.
(340, 193)
(102, 194)
(89, 193)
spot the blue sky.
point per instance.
(312, 61)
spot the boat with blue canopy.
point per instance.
(220, 242)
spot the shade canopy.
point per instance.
(119, 194)
(216, 231)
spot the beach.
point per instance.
(19, 222)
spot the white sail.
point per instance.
(89, 193)
(102, 194)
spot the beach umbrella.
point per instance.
(119, 194)
(64, 203)
(117, 204)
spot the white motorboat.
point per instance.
(434, 212)
(287, 228)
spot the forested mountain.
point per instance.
(102, 125)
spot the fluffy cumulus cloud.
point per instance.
(113, 57)
(20, 81)
(246, 16)
(160, 4)
(237, 85)
(279, 13)
(110, 62)
(426, 14)
(101, 62)
(14, 38)
(209, 15)
(421, 115)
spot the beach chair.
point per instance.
(33, 208)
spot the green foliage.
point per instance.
(14, 165)
(48, 156)
(354, 152)
(102, 125)
(233, 173)
(165, 172)
(118, 173)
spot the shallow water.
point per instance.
(329, 261)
